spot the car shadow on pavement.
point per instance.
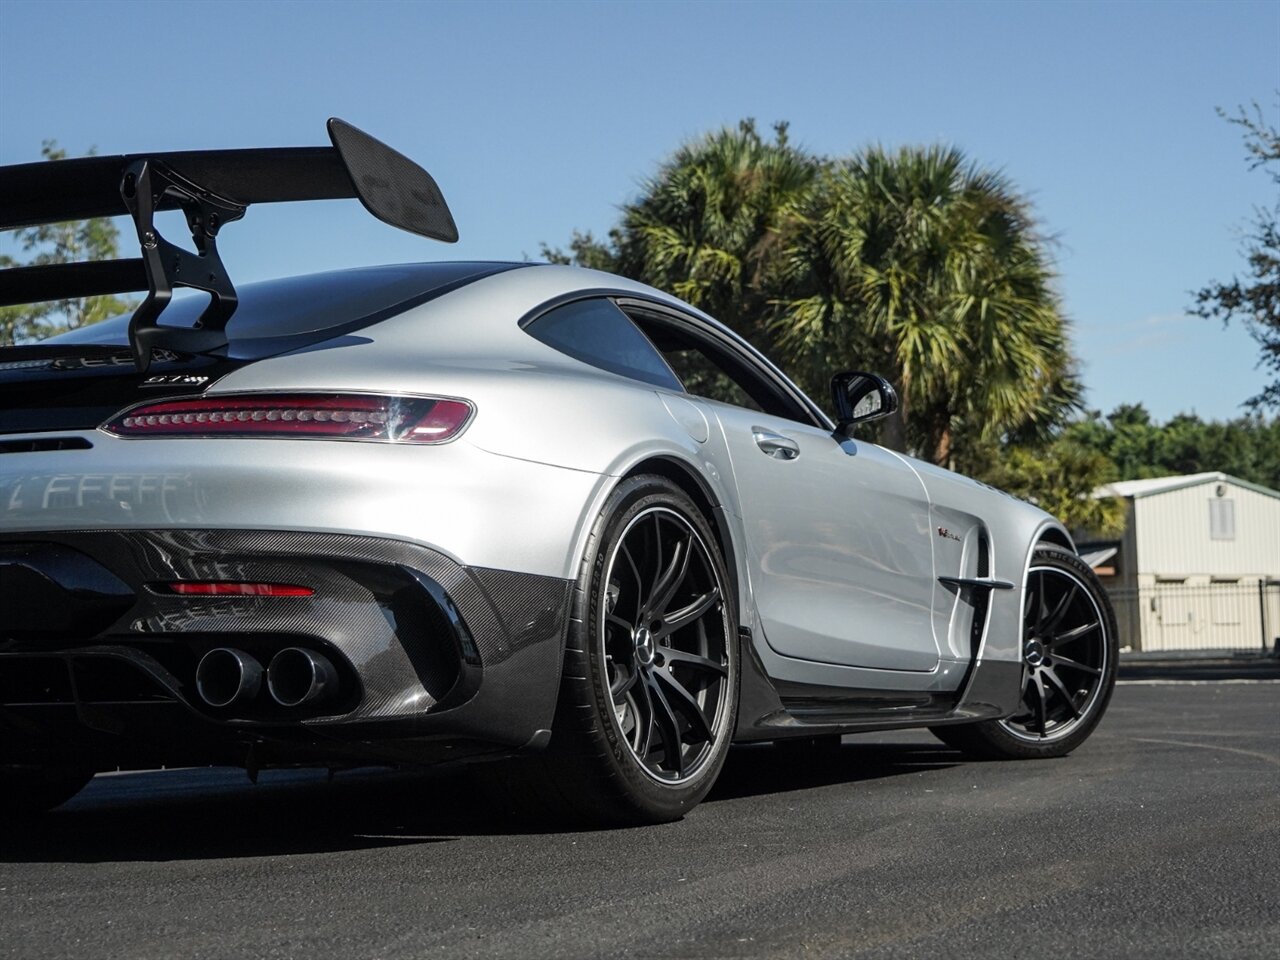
(216, 813)
(768, 768)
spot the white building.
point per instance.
(1198, 567)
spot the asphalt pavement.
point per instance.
(1159, 838)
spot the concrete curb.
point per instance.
(1148, 667)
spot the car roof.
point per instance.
(313, 306)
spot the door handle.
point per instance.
(775, 444)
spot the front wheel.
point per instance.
(1069, 666)
(649, 693)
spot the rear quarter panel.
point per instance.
(534, 405)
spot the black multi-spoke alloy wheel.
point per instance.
(648, 698)
(1069, 665)
(29, 790)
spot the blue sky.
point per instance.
(538, 118)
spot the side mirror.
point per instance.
(861, 397)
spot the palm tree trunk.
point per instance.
(942, 448)
(894, 434)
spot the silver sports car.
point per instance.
(437, 512)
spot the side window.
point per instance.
(710, 369)
(702, 378)
(598, 333)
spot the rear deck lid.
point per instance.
(79, 379)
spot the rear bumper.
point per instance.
(435, 659)
(480, 508)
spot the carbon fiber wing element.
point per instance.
(212, 188)
(392, 187)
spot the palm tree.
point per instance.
(927, 268)
(706, 225)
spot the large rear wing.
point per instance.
(212, 188)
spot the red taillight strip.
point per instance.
(335, 416)
(219, 588)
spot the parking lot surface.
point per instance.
(1160, 837)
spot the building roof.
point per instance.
(1157, 485)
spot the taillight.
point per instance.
(223, 588)
(323, 416)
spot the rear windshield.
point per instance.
(330, 303)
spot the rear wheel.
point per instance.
(29, 790)
(1069, 666)
(648, 699)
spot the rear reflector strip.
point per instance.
(219, 588)
(320, 416)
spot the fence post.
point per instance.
(1262, 612)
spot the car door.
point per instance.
(838, 540)
(838, 536)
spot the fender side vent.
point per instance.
(982, 602)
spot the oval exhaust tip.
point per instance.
(225, 676)
(297, 676)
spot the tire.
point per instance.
(649, 692)
(31, 790)
(1069, 672)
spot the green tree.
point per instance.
(706, 225)
(1256, 299)
(1059, 476)
(1247, 447)
(69, 242)
(584, 251)
(929, 269)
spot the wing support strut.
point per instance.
(146, 183)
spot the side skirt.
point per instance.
(773, 710)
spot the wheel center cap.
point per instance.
(1034, 652)
(644, 646)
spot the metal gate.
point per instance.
(1211, 617)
